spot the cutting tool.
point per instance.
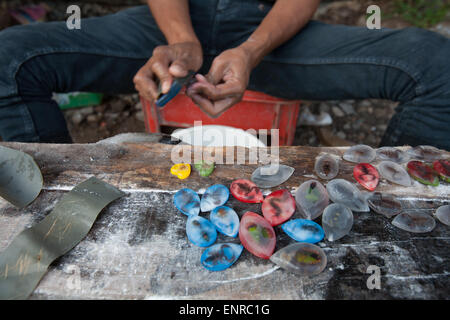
(177, 85)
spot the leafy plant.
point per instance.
(422, 13)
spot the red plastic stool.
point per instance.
(256, 111)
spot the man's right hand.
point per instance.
(167, 62)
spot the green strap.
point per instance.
(25, 261)
(20, 178)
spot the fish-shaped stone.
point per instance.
(200, 231)
(187, 202)
(278, 207)
(337, 221)
(303, 230)
(394, 173)
(304, 259)
(257, 235)
(221, 256)
(204, 168)
(226, 220)
(246, 191)
(311, 198)
(360, 153)
(426, 153)
(443, 214)
(392, 154)
(442, 168)
(366, 175)
(215, 196)
(270, 176)
(419, 171)
(416, 222)
(326, 166)
(344, 192)
(384, 204)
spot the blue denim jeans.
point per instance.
(322, 62)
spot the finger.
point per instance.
(216, 72)
(161, 70)
(145, 85)
(179, 69)
(204, 104)
(219, 92)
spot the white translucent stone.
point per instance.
(443, 214)
(395, 173)
(416, 222)
(337, 221)
(384, 204)
(426, 153)
(270, 176)
(342, 191)
(392, 154)
(360, 154)
(327, 166)
(311, 198)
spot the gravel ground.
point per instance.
(353, 122)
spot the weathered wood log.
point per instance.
(138, 248)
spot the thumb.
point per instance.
(216, 72)
(178, 68)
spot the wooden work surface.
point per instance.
(138, 249)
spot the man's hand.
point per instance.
(167, 62)
(225, 83)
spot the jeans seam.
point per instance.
(28, 123)
(15, 67)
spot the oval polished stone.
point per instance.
(268, 177)
(187, 201)
(392, 154)
(360, 153)
(221, 256)
(215, 196)
(311, 198)
(384, 204)
(366, 175)
(246, 191)
(344, 192)
(304, 259)
(416, 222)
(226, 220)
(337, 221)
(257, 235)
(278, 207)
(442, 168)
(443, 214)
(326, 166)
(395, 173)
(200, 231)
(303, 230)
(421, 172)
(427, 153)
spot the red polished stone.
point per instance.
(442, 167)
(366, 175)
(257, 235)
(278, 207)
(246, 191)
(422, 173)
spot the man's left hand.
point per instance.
(225, 83)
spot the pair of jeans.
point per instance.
(321, 62)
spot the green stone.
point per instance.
(204, 168)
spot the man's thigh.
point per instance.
(325, 62)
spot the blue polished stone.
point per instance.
(187, 201)
(303, 230)
(221, 256)
(226, 220)
(215, 196)
(200, 231)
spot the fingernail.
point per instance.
(165, 87)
